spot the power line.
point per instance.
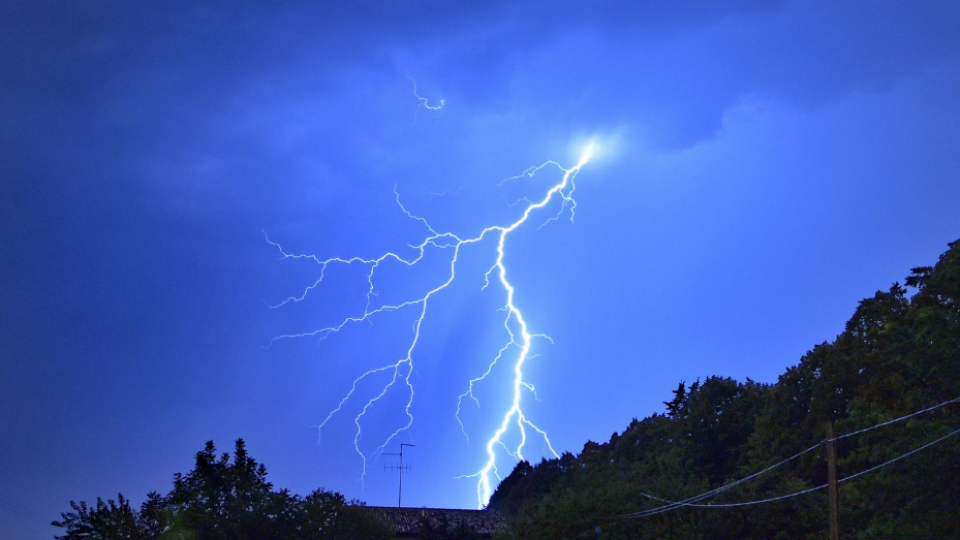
(721, 489)
(691, 502)
(19, 509)
(898, 458)
(672, 506)
(888, 422)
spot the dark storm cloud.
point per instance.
(117, 86)
(680, 72)
(145, 145)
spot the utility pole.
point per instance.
(400, 468)
(832, 482)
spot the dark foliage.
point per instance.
(897, 354)
(444, 530)
(223, 499)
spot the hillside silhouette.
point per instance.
(746, 460)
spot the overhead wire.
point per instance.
(692, 501)
(653, 511)
(19, 509)
(888, 422)
(707, 494)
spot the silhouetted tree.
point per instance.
(896, 355)
(107, 521)
(223, 499)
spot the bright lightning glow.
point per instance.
(515, 412)
(399, 372)
(587, 154)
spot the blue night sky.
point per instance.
(759, 167)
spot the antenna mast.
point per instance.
(400, 468)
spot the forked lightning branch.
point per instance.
(514, 425)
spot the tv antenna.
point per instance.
(400, 468)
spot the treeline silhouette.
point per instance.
(745, 460)
(223, 499)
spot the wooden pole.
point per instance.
(832, 482)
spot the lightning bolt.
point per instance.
(424, 102)
(399, 372)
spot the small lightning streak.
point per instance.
(400, 371)
(424, 102)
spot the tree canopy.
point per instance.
(897, 355)
(223, 499)
(744, 459)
